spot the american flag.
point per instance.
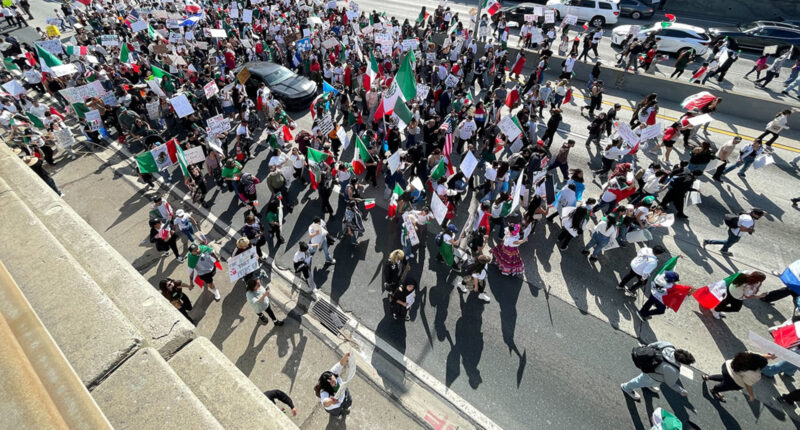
(447, 126)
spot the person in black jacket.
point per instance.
(596, 129)
(552, 126)
(273, 395)
(394, 269)
(681, 184)
(402, 298)
(172, 290)
(164, 238)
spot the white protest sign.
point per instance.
(354, 6)
(156, 88)
(770, 50)
(331, 4)
(218, 124)
(52, 46)
(233, 13)
(175, 37)
(663, 220)
(451, 80)
(538, 11)
(394, 161)
(410, 229)
(651, 132)
(211, 89)
(341, 134)
(247, 16)
(422, 91)
(468, 164)
(438, 208)
(765, 345)
(138, 26)
(109, 40)
(625, 132)
(529, 17)
(173, 23)
(243, 264)
(63, 138)
(217, 33)
(94, 120)
(634, 29)
(153, 110)
(549, 16)
(64, 70)
(14, 88)
(181, 105)
(330, 43)
(700, 119)
(383, 39)
(571, 19)
(763, 160)
(326, 124)
(509, 127)
(409, 44)
(194, 155)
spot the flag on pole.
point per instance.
(712, 294)
(423, 16)
(439, 171)
(124, 53)
(328, 88)
(35, 120)
(159, 158)
(518, 65)
(404, 115)
(369, 204)
(361, 157)
(398, 190)
(315, 157)
(372, 72)
(491, 6)
(512, 98)
(181, 158)
(47, 59)
(76, 50)
(405, 79)
(388, 100)
(159, 72)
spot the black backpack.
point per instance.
(646, 358)
(732, 220)
(439, 239)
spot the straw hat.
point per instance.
(31, 161)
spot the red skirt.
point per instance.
(508, 260)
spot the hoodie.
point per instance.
(668, 372)
(644, 263)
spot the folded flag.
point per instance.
(664, 420)
(518, 65)
(670, 17)
(35, 120)
(369, 203)
(675, 296)
(712, 294)
(491, 6)
(76, 50)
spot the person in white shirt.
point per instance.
(642, 266)
(38, 109)
(466, 130)
(302, 265)
(476, 278)
(605, 231)
(33, 78)
(744, 223)
(319, 239)
(567, 66)
(747, 156)
(329, 384)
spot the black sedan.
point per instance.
(758, 34)
(517, 12)
(295, 91)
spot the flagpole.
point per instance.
(478, 20)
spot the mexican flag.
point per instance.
(125, 53)
(159, 72)
(439, 171)
(393, 200)
(518, 65)
(159, 158)
(405, 78)
(369, 203)
(512, 98)
(9, 63)
(697, 101)
(181, 158)
(388, 100)
(712, 294)
(47, 59)
(491, 6)
(677, 294)
(664, 420)
(372, 72)
(76, 50)
(787, 336)
(361, 157)
(403, 115)
(422, 16)
(315, 157)
(35, 120)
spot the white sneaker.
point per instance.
(654, 389)
(180, 259)
(216, 294)
(632, 394)
(484, 297)
(461, 288)
(717, 315)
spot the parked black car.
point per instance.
(636, 9)
(758, 34)
(516, 13)
(295, 91)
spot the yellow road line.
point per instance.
(716, 130)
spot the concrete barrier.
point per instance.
(754, 108)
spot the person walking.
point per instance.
(573, 224)
(302, 266)
(172, 290)
(164, 238)
(744, 287)
(742, 371)
(506, 253)
(476, 278)
(328, 386)
(737, 225)
(402, 298)
(773, 70)
(681, 184)
(561, 160)
(258, 297)
(37, 165)
(758, 66)
(658, 289)
(605, 231)
(641, 267)
(318, 232)
(660, 363)
(723, 155)
(395, 269)
(774, 127)
(186, 223)
(203, 263)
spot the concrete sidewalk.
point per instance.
(289, 358)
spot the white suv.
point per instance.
(673, 39)
(596, 12)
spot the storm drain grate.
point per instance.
(329, 316)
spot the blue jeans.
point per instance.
(744, 162)
(780, 366)
(726, 244)
(312, 250)
(189, 232)
(641, 381)
(599, 241)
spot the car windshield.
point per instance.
(278, 75)
(748, 26)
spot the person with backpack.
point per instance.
(642, 266)
(660, 362)
(476, 278)
(737, 225)
(446, 240)
(659, 289)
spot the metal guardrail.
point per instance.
(39, 387)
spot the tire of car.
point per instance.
(681, 51)
(636, 15)
(597, 21)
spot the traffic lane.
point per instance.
(523, 338)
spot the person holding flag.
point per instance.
(203, 265)
(641, 267)
(664, 292)
(728, 295)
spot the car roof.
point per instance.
(261, 67)
(684, 27)
(776, 24)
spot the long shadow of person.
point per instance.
(394, 333)
(467, 348)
